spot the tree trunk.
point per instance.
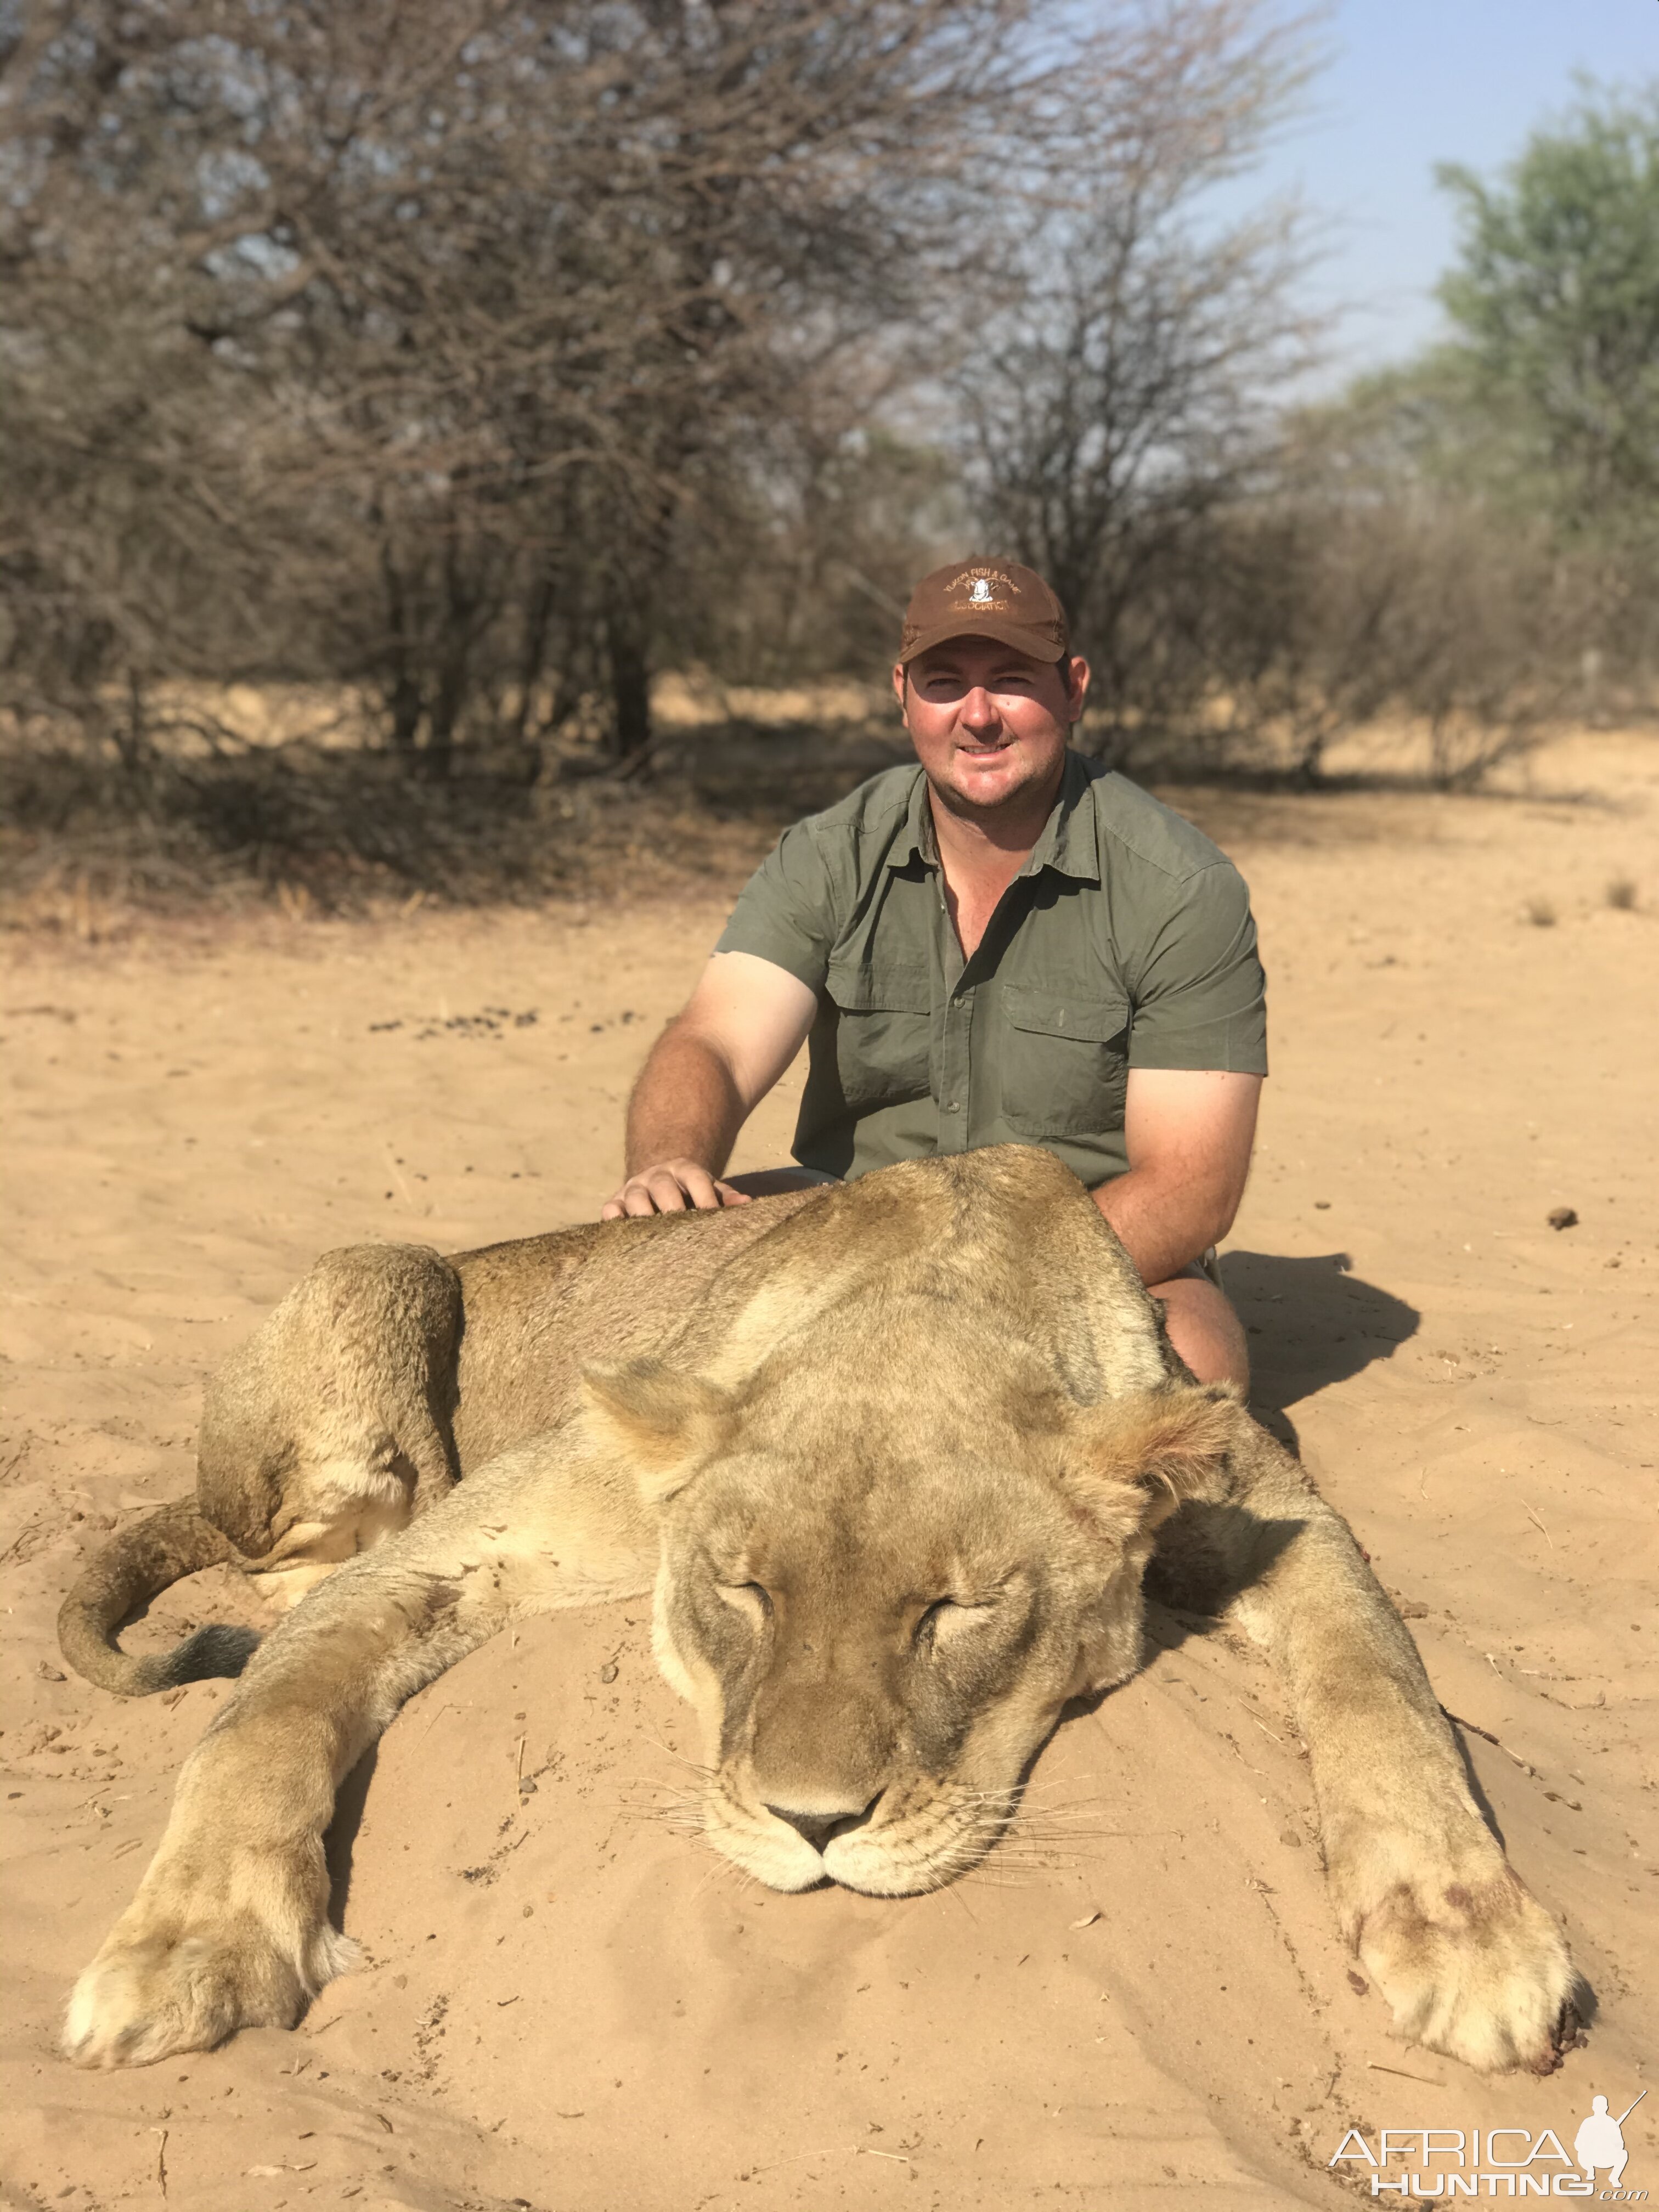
(132, 734)
(439, 757)
(455, 665)
(630, 691)
(403, 695)
(533, 656)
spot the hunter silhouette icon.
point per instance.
(1599, 2141)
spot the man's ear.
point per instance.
(663, 1423)
(1132, 1462)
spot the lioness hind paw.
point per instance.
(144, 2000)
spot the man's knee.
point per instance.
(1204, 1329)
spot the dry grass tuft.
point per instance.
(1541, 913)
(1621, 893)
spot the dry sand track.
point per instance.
(567, 2004)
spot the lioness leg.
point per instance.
(330, 1426)
(229, 1927)
(1471, 1964)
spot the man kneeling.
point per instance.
(1004, 944)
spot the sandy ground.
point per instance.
(565, 2003)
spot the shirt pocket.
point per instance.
(884, 1033)
(1066, 1068)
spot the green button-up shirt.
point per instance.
(1125, 941)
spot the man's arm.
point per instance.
(1188, 1133)
(707, 1072)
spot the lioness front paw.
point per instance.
(1474, 1967)
(147, 1995)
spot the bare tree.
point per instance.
(480, 309)
(1348, 588)
(1120, 393)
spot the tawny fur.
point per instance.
(896, 1457)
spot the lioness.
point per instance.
(898, 1456)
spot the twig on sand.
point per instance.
(161, 2161)
(798, 2157)
(1539, 1525)
(833, 2150)
(1487, 1736)
(1427, 2080)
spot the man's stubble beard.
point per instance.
(1043, 788)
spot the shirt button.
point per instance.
(954, 1108)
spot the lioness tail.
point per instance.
(128, 1572)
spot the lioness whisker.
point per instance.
(1043, 1850)
(1040, 1816)
(987, 1877)
(680, 1759)
(649, 1803)
(1046, 1850)
(994, 1808)
(1024, 1792)
(1038, 1785)
(1058, 1824)
(687, 1815)
(726, 1871)
(1038, 1854)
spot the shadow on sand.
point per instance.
(1310, 1323)
(349, 1805)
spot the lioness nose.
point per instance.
(817, 1828)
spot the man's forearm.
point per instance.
(1166, 1221)
(684, 1106)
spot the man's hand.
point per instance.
(709, 1070)
(671, 1186)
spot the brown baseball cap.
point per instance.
(985, 598)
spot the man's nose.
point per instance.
(978, 710)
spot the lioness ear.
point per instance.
(1134, 1460)
(664, 1423)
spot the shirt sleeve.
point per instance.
(786, 912)
(1200, 996)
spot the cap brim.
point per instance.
(1016, 634)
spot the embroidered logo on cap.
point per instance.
(972, 598)
(990, 590)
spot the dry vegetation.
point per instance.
(299, 810)
(294, 806)
(394, 398)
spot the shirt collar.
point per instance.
(1069, 843)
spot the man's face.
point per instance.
(990, 723)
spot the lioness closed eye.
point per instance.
(896, 1457)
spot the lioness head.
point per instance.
(879, 1585)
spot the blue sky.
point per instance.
(1412, 83)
